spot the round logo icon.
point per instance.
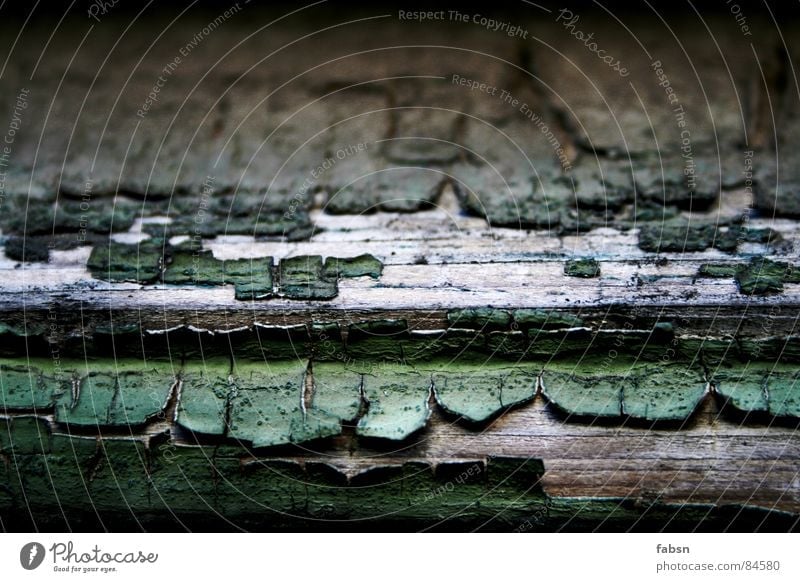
(31, 555)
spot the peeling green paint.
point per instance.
(268, 407)
(123, 262)
(204, 398)
(541, 319)
(596, 395)
(763, 276)
(584, 268)
(397, 403)
(477, 394)
(676, 236)
(774, 389)
(479, 318)
(664, 393)
(337, 391)
(361, 266)
(37, 385)
(302, 278)
(646, 392)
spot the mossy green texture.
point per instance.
(302, 278)
(479, 318)
(364, 265)
(768, 388)
(137, 263)
(583, 268)
(477, 394)
(397, 402)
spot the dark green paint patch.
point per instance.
(717, 270)
(302, 278)
(676, 236)
(761, 276)
(541, 319)
(118, 262)
(584, 268)
(457, 344)
(30, 249)
(479, 318)
(393, 189)
(397, 403)
(361, 266)
(24, 435)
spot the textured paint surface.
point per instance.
(397, 403)
(479, 393)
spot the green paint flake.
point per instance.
(783, 389)
(337, 392)
(302, 278)
(125, 393)
(581, 394)
(663, 393)
(717, 270)
(762, 276)
(252, 277)
(92, 408)
(676, 236)
(268, 407)
(398, 403)
(541, 319)
(479, 318)
(745, 390)
(364, 265)
(583, 268)
(205, 394)
(474, 396)
(196, 268)
(122, 262)
(34, 387)
(761, 387)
